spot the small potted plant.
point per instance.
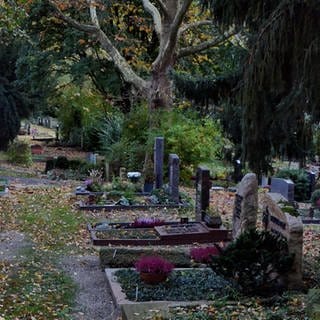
(153, 269)
(212, 218)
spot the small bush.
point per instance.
(315, 198)
(154, 264)
(19, 152)
(204, 255)
(62, 163)
(258, 261)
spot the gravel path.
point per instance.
(93, 300)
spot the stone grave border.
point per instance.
(133, 310)
(207, 235)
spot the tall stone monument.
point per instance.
(158, 161)
(246, 205)
(174, 177)
(203, 185)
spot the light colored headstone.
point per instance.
(287, 226)
(123, 173)
(283, 186)
(246, 205)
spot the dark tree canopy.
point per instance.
(13, 103)
(280, 93)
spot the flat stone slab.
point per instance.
(111, 207)
(132, 310)
(198, 233)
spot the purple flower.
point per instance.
(204, 255)
(153, 264)
(88, 182)
(147, 222)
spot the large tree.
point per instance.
(279, 92)
(13, 102)
(170, 24)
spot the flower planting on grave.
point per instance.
(181, 285)
(204, 254)
(153, 269)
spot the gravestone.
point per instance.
(312, 182)
(158, 161)
(174, 177)
(203, 185)
(123, 173)
(283, 186)
(92, 158)
(289, 227)
(264, 181)
(245, 205)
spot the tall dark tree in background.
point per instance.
(14, 103)
(279, 94)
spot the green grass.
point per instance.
(34, 288)
(16, 173)
(50, 220)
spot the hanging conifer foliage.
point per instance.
(281, 77)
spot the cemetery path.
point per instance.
(93, 299)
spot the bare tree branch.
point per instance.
(120, 62)
(93, 13)
(180, 15)
(183, 52)
(168, 47)
(82, 27)
(150, 8)
(163, 7)
(194, 25)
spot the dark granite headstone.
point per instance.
(158, 161)
(283, 186)
(203, 185)
(174, 177)
(312, 182)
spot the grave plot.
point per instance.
(310, 215)
(167, 234)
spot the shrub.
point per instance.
(203, 255)
(315, 198)
(154, 264)
(301, 182)
(258, 261)
(19, 152)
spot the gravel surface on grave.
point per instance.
(93, 301)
